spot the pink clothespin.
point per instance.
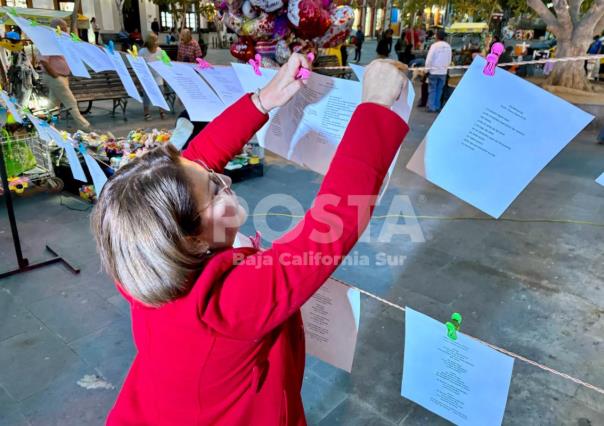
(304, 73)
(255, 63)
(493, 58)
(202, 64)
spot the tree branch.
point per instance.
(593, 16)
(575, 10)
(562, 12)
(544, 13)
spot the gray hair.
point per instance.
(58, 22)
(146, 225)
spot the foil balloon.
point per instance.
(268, 5)
(232, 21)
(282, 52)
(243, 49)
(342, 19)
(269, 63)
(281, 26)
(260, 27)
(266, 48)
(248, 10)
(234, 5)
(308, 18)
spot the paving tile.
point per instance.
(75, 313)
(65, 403)
(14, 318)
(353, 412)
(320, 397)
(122, 304)
(34, 360)
(109, 350)
(39, 284)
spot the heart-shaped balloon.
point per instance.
(266, 47)
(232, 21)
(282, 26)
(342, 19)
(308, 17)
(248, 10)
(261, 27)
(268, 5)
(243, 49)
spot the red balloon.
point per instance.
(308, 18)
(243, 49)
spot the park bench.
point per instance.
(331, 61)
(107, 86)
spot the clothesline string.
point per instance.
(497, 348)
(504, 64)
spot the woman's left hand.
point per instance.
(284, 84)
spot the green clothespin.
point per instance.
(12, 11)
(75, 37)
(33, 22)
(165, 58)
(26, 110)
(453, 325)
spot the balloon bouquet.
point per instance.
(276, 28)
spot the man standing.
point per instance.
(56, 79)
(437, 61)
(155, 26)
(358, 44)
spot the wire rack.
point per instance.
(43, 169)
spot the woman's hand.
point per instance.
(284, 85)
(384, 81)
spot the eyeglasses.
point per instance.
(216, 179)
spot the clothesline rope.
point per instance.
(504, 64)
(497, 348)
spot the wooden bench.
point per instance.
(107, 86)
(331, 61)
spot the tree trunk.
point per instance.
(571, 74)
(74, 16)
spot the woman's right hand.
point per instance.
(384, 81)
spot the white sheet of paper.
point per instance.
(72, 55)
(72, 157)
(41, 128)
(308, 129)
(493, 136)
(600, 180)
(12, 108)
(250, 82)
(181, 133)
(199, 100)
(331, 324)
(95, 57)
(41, 35)
(98, 176)
(122, 72)
(462, 380)
(149, 84)
(225, 83)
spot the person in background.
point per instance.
(358, 44)
(136, 37)
(437, 61)
(96, 29)
(403, 51)
(344, 54)
(384, 46)
(56, 78)
(150, 53)
(155, 26)
(173, 35)
(188, 49)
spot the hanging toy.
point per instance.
(18, 184)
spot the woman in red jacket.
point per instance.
(218, 331)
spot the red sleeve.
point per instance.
(268, 287)
(226, 135)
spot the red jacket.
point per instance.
(231, 352)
